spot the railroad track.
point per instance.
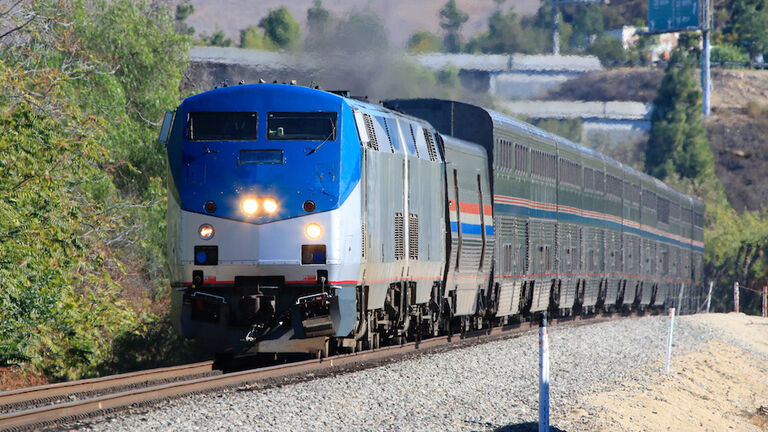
(55, 404)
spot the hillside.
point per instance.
(737, 135)
(401, 17)
(731, 88)
(738, 142)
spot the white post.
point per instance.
(669, 339)
(736, 296)
(709, 296)
(543, 376)
(680, 300)
(706, 84)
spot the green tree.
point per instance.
(508, 34)
(619, 13)
(361, 32)
(252, 38)
(608, 49)
(423, 41)
(319, 19)
(320, 25)
(750, 25)
(68, 235)
(728, 53)
(640, 51)
(451, 20)
(677, 144)
(504, 34)
(280, 27)
(587, 25)
(217, 38)
(183, 11)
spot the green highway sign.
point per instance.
(673, 15)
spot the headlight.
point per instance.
(205, 231)
(250, 206)
(270, 205)
(313, 231)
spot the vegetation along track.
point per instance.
(49, 405)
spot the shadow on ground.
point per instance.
(518, 427)
(525, 427)
(154, 345)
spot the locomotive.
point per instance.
(306, 221)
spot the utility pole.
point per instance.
(706, 85)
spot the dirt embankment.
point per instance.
(620, 84)
(739, 143)
(731, 88)
(722, 387)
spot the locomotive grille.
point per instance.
(527, 266)
(507, 265)
(373, 143)
(413, 236)
(430, 145)
(399, 237)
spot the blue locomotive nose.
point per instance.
(263, 142)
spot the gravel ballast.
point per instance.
(491, 386)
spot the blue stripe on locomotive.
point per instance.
(473, 229)
(210, 170)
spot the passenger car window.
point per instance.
(317, 126)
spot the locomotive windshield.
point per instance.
(222, 126)
(317, 126)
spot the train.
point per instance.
(308, 221)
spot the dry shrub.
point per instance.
(755, 110)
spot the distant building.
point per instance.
(627, 34)
(630, 34)
(667, 43)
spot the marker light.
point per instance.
(313, 231)
(250, 206)
(270, 205)
(205, 231)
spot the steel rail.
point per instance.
(43, 392)
(47, 415)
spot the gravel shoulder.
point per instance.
(716, 386)
(606, 376)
